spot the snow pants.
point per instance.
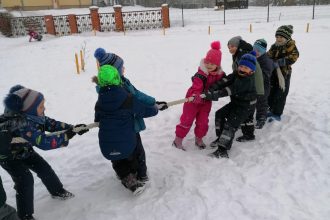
(277, 97)
(228, 119)
(19, 170)
(262, 101)
(192, 111)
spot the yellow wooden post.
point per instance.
(209, 30)
(250, 28)
(77, 63)
(307, 28)
(97, 65)
(82, 61)
(94, 31)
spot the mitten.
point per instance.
(281, 62)
(281, 81)
(70, 133)
(95, 80)
(161, 105)
(81, 128)
(275, 65)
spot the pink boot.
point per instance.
(178, 143)
(199, 143)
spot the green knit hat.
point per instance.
(108, 76)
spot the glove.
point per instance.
(95, 80)
(197, 99)
(70, 133)
(82, 131)
(161, 105)
(281, 62)
(275, 65)
(281, 81)
(209, 95)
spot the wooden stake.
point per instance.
(94, 31)
(77, 63)
(82, 61)
(163, 31)
(307, 28)
(250, 28)
(97, 65)
(209, 30)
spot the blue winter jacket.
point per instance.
(139, 124)
(116, 110)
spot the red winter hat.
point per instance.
(214, 54)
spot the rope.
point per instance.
(18, 140)
(180, 101)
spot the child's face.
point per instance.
(41, 108)
(210, 67)
(244, 71)
(280, 40)
(232, 49)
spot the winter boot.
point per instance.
(178, 143)
(131, 183)
(199, 143)
(260, 124)
(274, 118)
(215, 143)
(220, 152)
(27, 217)
(143, 179)
(246, 138)
(63, 195)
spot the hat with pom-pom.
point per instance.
(214, 54)
(108, 75)
(285, 31)
(109, 58)
(21, 99)
(249, 60)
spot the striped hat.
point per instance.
(109, 58)
(23, 100)
(285, 31)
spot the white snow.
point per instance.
(283, 175)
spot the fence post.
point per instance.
(49, 22)
(96, 24)
(5, 26)
(73, 23)
(118, 18)
(165, 16)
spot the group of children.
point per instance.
(121, 107)
(259, 82)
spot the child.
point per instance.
(33, 34)
(209, 71)
(238, 47)
(114, 60)
(267, 67)
(116, 110)
(240, 86)
(284, 53)
(19, 158)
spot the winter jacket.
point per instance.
(267, 67)
(116, 110)
(139, 124)
(198, 86)
(241, 90)
(284, 55)
(244, 48)
(32, 129)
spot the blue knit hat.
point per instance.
(21, 99)
(249, 60)
(260, 45)
(109, 58)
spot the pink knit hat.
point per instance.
(214, 54)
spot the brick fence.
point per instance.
(73, 24)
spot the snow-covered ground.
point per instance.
(283, 175)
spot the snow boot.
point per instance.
(199, 143)
(131, 183)
(260, 123)
(27, 217)
(178, 143)
(274, 118)
(215, 143)
(220, 152)
(143, 179)
(245, 138)
(63, 195)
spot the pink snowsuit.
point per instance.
(199, 110)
